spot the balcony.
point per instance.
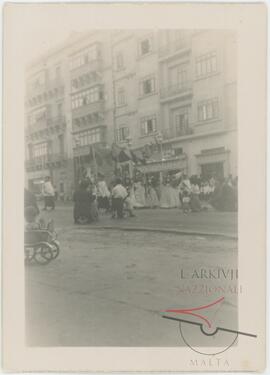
(37, 126)
(170, 50)
(47, 90)
(84, 81)
(175, 91)
(90, 121)
(91, 66)
(45, 161)
(59, 121)
(46, 126)
(90, 108)
(176, 132)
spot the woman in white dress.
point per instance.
(151, 195)
(139, 194)
(167, 199)
(175, 193)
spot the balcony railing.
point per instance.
(173, 90)
(176, 132)
(48, 86)
(91, 66)
(89, 108)
(45, 123)
(88, 80)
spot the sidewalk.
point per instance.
(161, 220)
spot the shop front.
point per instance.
(214, 163)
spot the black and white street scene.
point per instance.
(131, 193)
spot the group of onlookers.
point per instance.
(123, 195)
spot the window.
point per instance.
(86, 56)
(89, 137)
(119, 61)
(147, 86)
(178, 76)
(148, 125)
(40, 149)
(86, 97)
(182, 121)
(206, 65)
(121, 97)
(121, 134)
(145, 46)
(208, 109)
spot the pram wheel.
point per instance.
(55, 248)
(43, 253)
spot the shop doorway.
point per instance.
(215, 170)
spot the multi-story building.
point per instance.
(127, 87)
(197, 78)
(91, 95)
(48, 124)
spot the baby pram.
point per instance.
(40, 245)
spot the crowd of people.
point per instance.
(123, 195)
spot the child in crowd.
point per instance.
(186, 202)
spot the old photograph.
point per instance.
(134, 195)
(131, 190)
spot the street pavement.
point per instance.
(111, 287)
(205, 222)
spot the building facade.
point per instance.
(174, 91)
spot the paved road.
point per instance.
(108, 288)
(169, 219)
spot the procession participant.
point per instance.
(167, 199)
(139, 193)
(128, 203)
(175, 192)
(184, 186)
(82, 202)
(151, 195)
(48, 193)
(186, 202)
(92, 188)
(103, 193)
(119, 193)
(195, 203)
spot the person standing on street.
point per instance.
(103, 194)
(48, 193)
(119, 194)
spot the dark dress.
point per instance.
(225, 198)
(82, 204)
